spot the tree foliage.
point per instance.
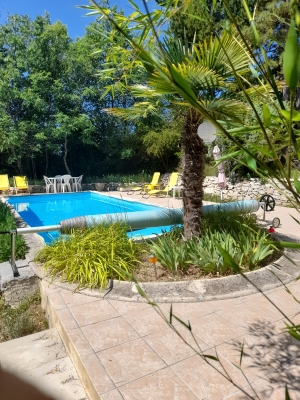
(52, 101)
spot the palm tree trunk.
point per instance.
(193, 175)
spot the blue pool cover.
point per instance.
(50, 209)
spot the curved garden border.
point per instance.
(264, 279)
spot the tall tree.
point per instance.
(203, 68)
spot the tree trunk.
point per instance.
(65, 156)
(19, 161)
(193, 175)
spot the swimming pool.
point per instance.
(50, 209)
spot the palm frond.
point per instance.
(139, 110)
(216, 53)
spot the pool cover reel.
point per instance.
(146, 219)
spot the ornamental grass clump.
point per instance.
(91, 257)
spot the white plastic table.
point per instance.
(179, 188)
(55, 180)
(74, 182)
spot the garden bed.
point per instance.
(27, 318)
(146, 271)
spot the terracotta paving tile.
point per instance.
(188, 311)
(109, 333)
(163, 384)
(227, 304)
(170, 347)
(72, 298)
(67, 319)
(97, 374)
(205, 380)
(56, 300)
(266, 349)
(260, 303)
(243, 315)
(80, 342)
(255, 357)
(95, 311)
(273, 386)
(213, 329)
(285, 302)
(112, 395)
(146, 321)
(50, 288)
(130, 361)
(127, 307)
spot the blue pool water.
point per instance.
(50, 209)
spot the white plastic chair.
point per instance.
(58, 182)
(65, 183)
(76, 185)
(49, 184)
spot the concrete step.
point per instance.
(41, 360)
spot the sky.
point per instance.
(63, 10)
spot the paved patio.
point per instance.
(124, 350)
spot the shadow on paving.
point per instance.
(273, 356)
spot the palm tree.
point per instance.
(205, 69)
(194, 81)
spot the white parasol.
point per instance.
(221, 175)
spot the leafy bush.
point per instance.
(90, 257)
(231, 222)
(172, 254)
(238, 234)
(142, 177)
(7, 222)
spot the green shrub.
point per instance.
(171, 253)
(238, 234)
(229, 221)
(90, 257)
(142, 177)
(7, 222)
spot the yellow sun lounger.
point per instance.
(172, 182)
(4, 183)
(150, 186)
(20, 183)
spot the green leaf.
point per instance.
(245, 129)
(287, 396)
(287, 115)
(267, 116)
(291, 62)
(288, 245)
(253, 71)
(229, 259)
(251, 162)
(242, 353)
(211, 357)
(182, 83)
(297, 184)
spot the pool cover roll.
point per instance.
(145, 219)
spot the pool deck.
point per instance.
(124, 350)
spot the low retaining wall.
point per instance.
(246, 190)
